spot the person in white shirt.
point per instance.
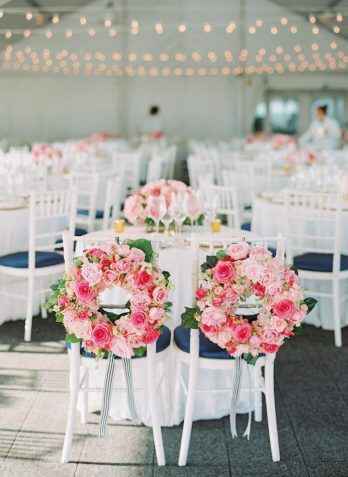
(324, 133)
(153, 122)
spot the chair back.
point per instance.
(50, 214)
(113, 199)
(132, 163)
(155, 170)
(86, 185)
(226, 200)
(313, 224)
(200, 169)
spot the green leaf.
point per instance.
(59, 317)
(166, 276)
(310, 302)
(145, 246)
(221, 254)
(200, 220)
(250, 359)
(188, 318)
(72, 339)
(149, 221)
(211, 261)
(168, 305)
(140, 352)
(298, 330)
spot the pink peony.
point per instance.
(91, 273)
(84, 292)
(156, 314)
(121, 347)
(102, 334)
(212, 316)
(123, 266)
(136, 255)
(224, 272)
(160, 295)
(141, 298)
(239, 251)
(284, 309)
(242, 332)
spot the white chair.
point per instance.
(226, 201)
(194, 350)
(133, 163)
(155, 170)
(200, 170)
(313, 227)
(79, 371)
(86, 185)
(170, 157)
(113, 199)
(50, 213)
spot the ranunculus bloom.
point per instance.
(143, 278)
(242, 332)
(200, 293)
(91, 273)
(284, 309)
(238, 251)
(160, 295)
(102, 334)
(212, 316)
(224, 271)
(120, 347)
(84, 292)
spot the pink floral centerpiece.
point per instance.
(45, 151)
(280, 141)
(137, 208)
(76, 303)
(234, 277)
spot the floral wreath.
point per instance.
(247, 276)
(137, 207)
(76, 303)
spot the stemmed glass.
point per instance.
(210, 206)
(177, 211)
(157, 209)
(192, 207)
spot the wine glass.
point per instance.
(157, 209)
(192, 207)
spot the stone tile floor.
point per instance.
(312, 407)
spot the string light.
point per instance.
(336, 29)
(29, 16)
(315, 30)
(108, 23)
(68, 34)
(182, 28)
(112, 32)
(159, 28)
(26, 33)
(207, 28)
(8, 34)
(284, 21)
(92, 32)
(1, 13)
(252, 30)
(312, 19)
(293, 29)
(259, 23)
(55, 19)
(83, 20)
(230, 27)
(274, 30)
(339, 17)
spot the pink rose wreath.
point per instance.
(75, 299)
(247, 276)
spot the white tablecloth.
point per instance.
(268, 220)
(179, 262)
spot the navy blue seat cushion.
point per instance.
(246, 226)
(21, 259)
(318, 262)
(162, 343)
(207, 349)
(99, 214)
(80, 231)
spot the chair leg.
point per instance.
(84, 407)
(29, 315)
(74, 358)
(43, 308)
(337, 313)
(192, 382)
(177, 389)
(270, 405)
(258, 392)
(152, 393)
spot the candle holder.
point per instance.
(215, 226)
(119, 226)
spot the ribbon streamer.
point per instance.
(107, 391)
(235, 397)
(128, 375)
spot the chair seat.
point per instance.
(207, 349)
(99, 214)
(80, 231)
(162, 343)
(246, 226)
(21, 259)
(318, 262)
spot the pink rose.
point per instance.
(269, 347)
(224, 272)
(123, 266)
(143, 279)
(160, 295)
(63, 301)
(238, 251)
(133, 209)
(84, 292)
(91, 273)
(242, 332)
(259, 252)
(110, 276)
(121, 347)
(284, 309)
(138, 317)
(141, 298)
(102, 334)
(136, 255)
(212, 316)
(123, 250)
(259, 290)
(252, 270)
(151, 335)
(156, 314)
(279, 324)
(82, 329)
(84, 315)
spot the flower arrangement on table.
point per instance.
(76, 302)
(143, 207)
(45, 151)
(247, 275)
(280, 141)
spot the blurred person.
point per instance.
(324, 132)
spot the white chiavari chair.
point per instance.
(226, 201)
(86, 185)
(195, 351)
(132, 163)
(155, 170)
(152, 372)
(50, 213)
(200, 169)
(113, 200)
(313, 228)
